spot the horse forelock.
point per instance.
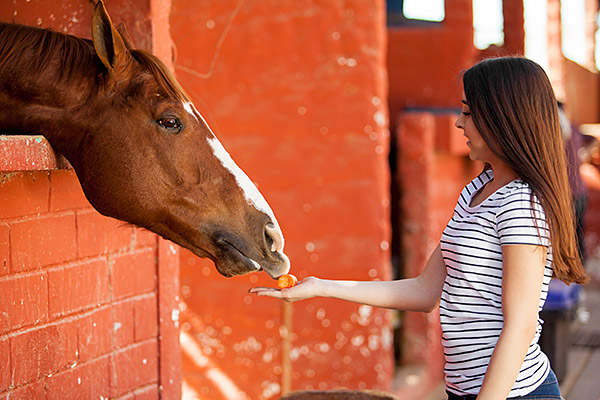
(164, 78)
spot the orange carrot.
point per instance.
(286, 281)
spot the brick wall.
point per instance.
(79, 304)
(88, 305)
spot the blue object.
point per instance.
(561, 296)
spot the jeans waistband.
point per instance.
(452, 396)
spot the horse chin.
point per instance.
(232, 259)
(229, 269)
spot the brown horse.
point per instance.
(141, 151)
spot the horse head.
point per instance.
(144, 155)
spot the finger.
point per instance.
(262, 291)
(271, 293)
(259, 289)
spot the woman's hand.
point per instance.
(305, 289)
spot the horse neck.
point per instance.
(44, 91)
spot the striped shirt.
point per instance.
(471, 302)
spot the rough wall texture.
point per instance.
(78, 311)
(86, 305)
(296, 90)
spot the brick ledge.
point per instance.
(29, 153)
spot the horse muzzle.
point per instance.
(237, 257)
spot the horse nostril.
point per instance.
(269, 240)
(273, 237)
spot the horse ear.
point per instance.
(108, 43)
(122, 29)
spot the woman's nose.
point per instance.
(458, 122)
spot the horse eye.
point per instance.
(170, 123)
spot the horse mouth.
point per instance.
(233, 259)
(233, 255)
(250, 264)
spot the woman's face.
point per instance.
(479, 150)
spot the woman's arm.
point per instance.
(417, 294)
(523, 274)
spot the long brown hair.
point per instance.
(514, 108)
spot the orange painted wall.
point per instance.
(296, 91)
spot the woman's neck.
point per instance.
(503, 174)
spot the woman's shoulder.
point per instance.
(520, 217)
(516, 190)
(518, 197)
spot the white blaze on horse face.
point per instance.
(191, 109)
(251, 193)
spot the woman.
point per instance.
(511, 231)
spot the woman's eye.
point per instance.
(170, 123)
(466, 113)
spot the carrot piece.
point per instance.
(286, 281)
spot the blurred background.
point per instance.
(342, 113)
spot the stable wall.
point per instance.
(88, 305)
(582, 100)
(424, 61)
(78, 311)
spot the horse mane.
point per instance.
(73, 54)
(47, 47)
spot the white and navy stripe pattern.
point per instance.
(471, 302)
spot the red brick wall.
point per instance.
(88, 305)
(78, 311)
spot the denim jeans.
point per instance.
(547, 390)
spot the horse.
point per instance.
(142, 152)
